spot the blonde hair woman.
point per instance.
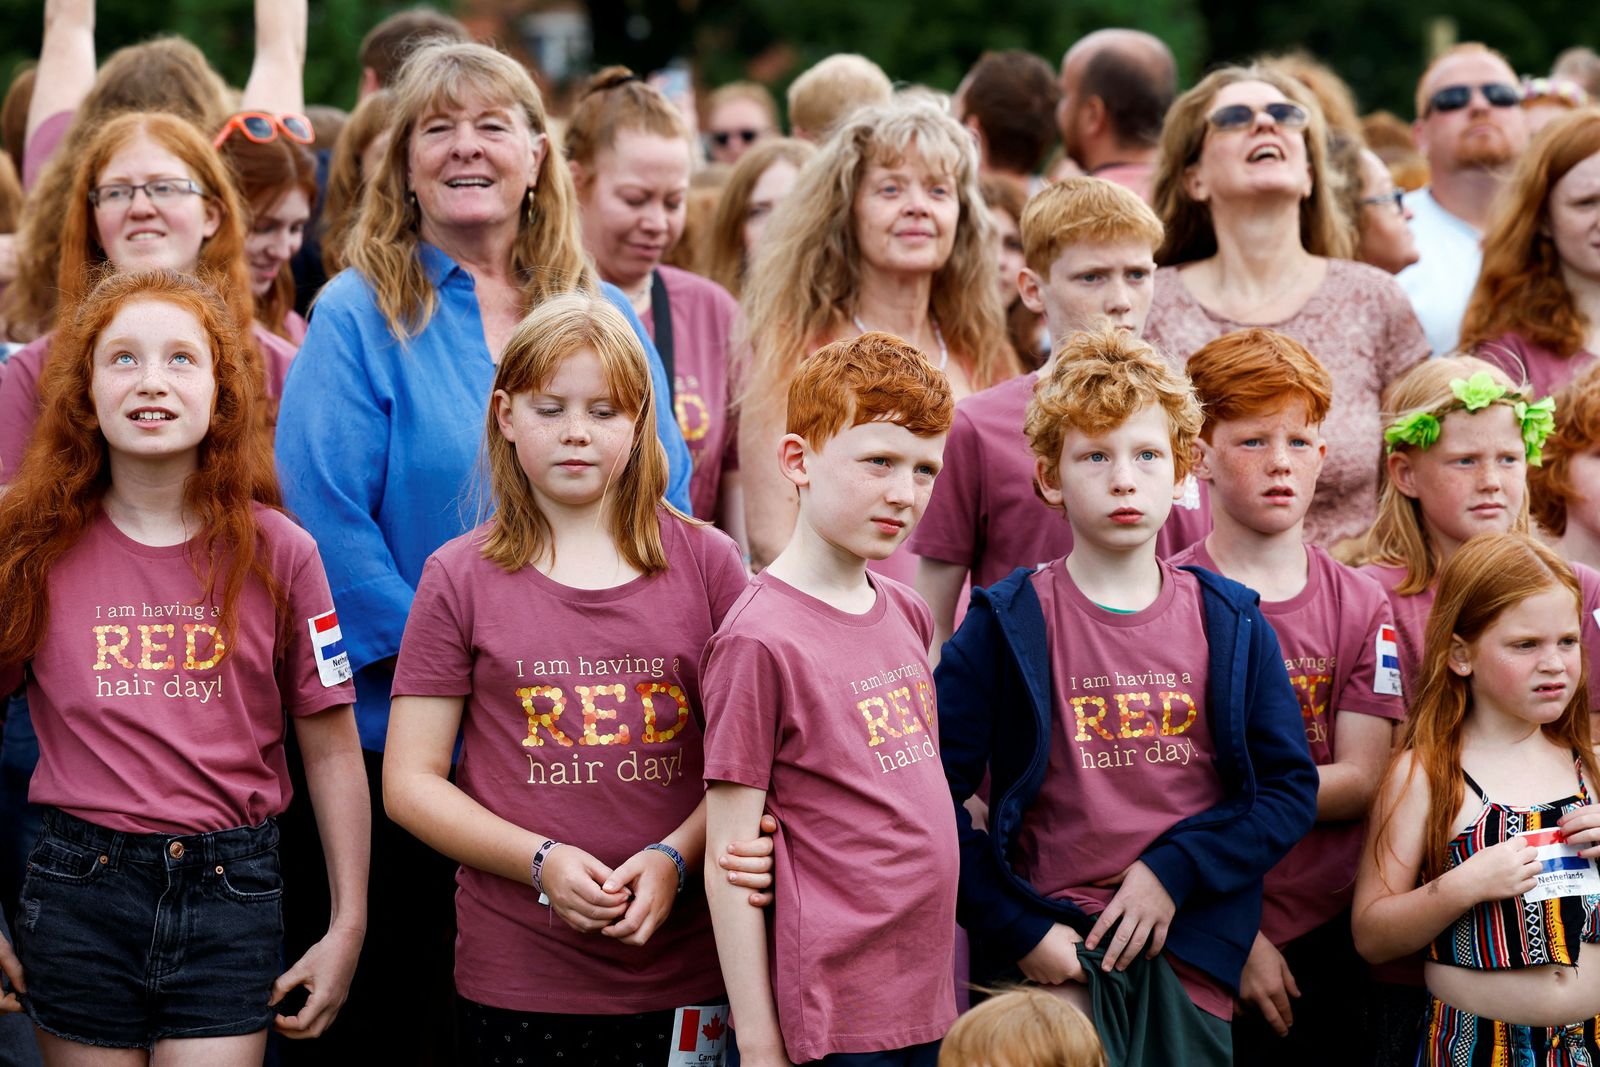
(885, 230)
(468, 223)
(1255, 237)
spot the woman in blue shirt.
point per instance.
(468, 222)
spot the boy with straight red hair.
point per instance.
(1146, 759)
(1261, 449)
(820, 707)
(1090, 248)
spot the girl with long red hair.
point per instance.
(1470, 861)
(169, 619)
(148, 192)
(1536, 308)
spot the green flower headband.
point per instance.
(1420, 429)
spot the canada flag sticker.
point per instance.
(699, 1036)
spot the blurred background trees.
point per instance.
(1379, 47)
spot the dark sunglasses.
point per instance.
(261, 127)
(722, 137)
(1456, 97)
(1396, 198)
(1239, 116)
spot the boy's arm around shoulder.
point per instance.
(975, 681)
(1226, 856)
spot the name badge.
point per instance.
(699, 1036)
(1562, 872)
(327, 644)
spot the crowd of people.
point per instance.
(1079, 572)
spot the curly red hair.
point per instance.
(66, 470)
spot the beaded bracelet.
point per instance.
(537, 870)
(676, 857)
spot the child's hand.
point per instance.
(1581, 827)
(12, 968)
(652, 879)
(1146, 911)
(1054, 960)
(749, 863)
(1267, 984)
(1501, 871)
(575, 883)
(325, 970)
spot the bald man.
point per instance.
(1116, 86)
(1471, 127)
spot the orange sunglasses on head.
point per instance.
(261, 127)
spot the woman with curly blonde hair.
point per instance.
(1536, 307)
(886, 229)
(1255, 237)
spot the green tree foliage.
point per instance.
(223, 29)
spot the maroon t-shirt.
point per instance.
(151, 718)
(582, 723)
(1335, 634)
(833, 715)
(1411, 620)
(47, 137)
(703, 314)
(1544, 370)
(1130, 721)
(21, 404)
(984, 514)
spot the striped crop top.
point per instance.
(1507, 934)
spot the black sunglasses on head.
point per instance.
(722, 137)
(1456, 97)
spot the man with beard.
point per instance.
(1471, 128)
(1116, 86)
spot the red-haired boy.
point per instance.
(1146, 759)
(1089, 248)
(820, 706)
(1261, 449)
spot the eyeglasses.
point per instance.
(1456, 97)
(1397, 198)
(1238, 116)
(261, 127)
(721, 138)
(120, 194)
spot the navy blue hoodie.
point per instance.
(996, 703)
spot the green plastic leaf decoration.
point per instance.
(1478, 391)
(1419, 429)
(1538, 422)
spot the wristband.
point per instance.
(677, 859)
(537, 870)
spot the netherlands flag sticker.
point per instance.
(1386, 674)
(327, 644)
(1562, 872)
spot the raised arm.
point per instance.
(66, 61)
(277, 75)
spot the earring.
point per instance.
(527, 212)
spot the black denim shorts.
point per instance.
(128, 939)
